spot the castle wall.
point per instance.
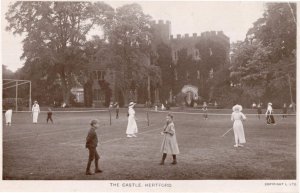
(186, 72)
(162, 34)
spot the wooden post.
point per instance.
(149, 90)
(109, 117)
(16, 95)
(292, 102)
(148, 118)
(30, 96)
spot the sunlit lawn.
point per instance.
(57, 151)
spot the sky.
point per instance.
(233, 18)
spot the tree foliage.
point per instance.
(213, 51)
(129, 35)
(265, 63)
(55, 34)
(165, 63)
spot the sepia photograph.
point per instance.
(149, 96)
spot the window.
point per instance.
(98, 75)
(198, 74)
(175, 55)
(197, 54)
(96, 95)
(211, 73)
(187, 75)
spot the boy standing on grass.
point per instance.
(284, 111)
(91, 144)
(259, 111)
(49, 115)
(169, 144)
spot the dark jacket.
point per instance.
(91, 139)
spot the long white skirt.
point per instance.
(35, 116)
(8, 115)
(238, 130)
(131, 126)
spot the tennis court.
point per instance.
(57, 151)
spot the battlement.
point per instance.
(207, 34)
(160, 22)
(179, 36)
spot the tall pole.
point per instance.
(30, 96)
(16, 95)
(148, 89)
(109, 116)
(289, 80)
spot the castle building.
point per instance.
(194, 60)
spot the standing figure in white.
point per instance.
(35, 112)
(131, 126)
(237, 117)
(8, 115)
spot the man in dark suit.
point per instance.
(91, 144)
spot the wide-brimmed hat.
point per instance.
(237, 108)
(131, 104)
(35, 102)
(270, 104)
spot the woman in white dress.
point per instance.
(237, 116)
(131, 126)
(8, 115)
(35, 112)
(269, 115)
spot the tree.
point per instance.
(164, 61)
(55, 34)
(129, 35)
(276, 30)
(265, 63)
(213, 51)
(6, 73)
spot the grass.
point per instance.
(57, 151)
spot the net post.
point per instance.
(109, 117)
(16, 96)
(30, 96)
(147, 118)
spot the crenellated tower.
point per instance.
(161, 32)
(195, 57)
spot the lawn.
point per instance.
(57, 151)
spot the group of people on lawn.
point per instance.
(169, 143)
